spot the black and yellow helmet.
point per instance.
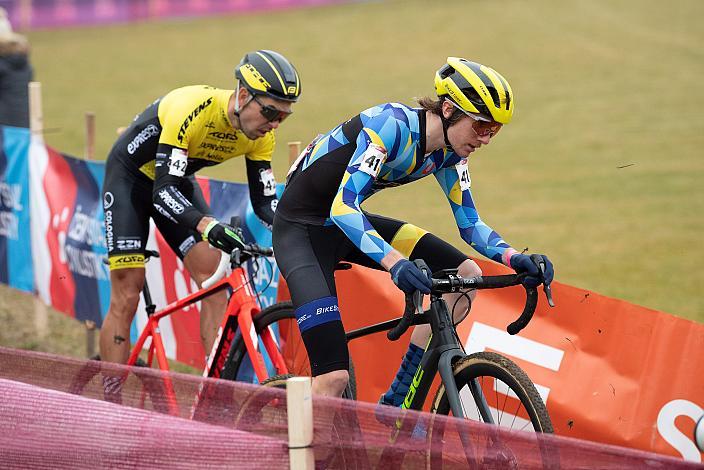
(269, 73)
(476, 88)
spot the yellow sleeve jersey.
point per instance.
(186, 130)
(194, 119)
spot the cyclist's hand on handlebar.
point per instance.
(409, 278)
(222, 236)
(530, 265)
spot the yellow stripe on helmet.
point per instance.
(448, 87)
(253, 78)
(473, 79)
(504, 112)
(281, 80)
(298, 83)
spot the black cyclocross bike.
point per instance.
(466, 379)
(483, 386)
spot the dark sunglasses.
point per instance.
(271, 113)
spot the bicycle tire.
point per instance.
(489, 364)
(293, 350)
(494, 366)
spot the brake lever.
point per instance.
(546, 287)
(418, 295)
(418, 302)
(236, 257)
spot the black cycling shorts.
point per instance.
(307, 254)
(127, 202)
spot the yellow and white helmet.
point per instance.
(476, 88)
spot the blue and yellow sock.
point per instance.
(399, 387)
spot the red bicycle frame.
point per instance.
(241, 308)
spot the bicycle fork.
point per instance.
(249, 336)
(442, 351)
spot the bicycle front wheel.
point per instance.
(489, 382)
(281, 319)
(493, 389)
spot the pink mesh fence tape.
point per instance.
(180, 420)
(41, 428)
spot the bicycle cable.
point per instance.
(464, 294)
(255, 270)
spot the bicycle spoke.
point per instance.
(464, 410)
(499, 411)
(515, 414)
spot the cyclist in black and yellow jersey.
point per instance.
(150, 174)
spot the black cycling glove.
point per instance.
(222, 236)
(409, 278)
(529, 264)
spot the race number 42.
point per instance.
(266, 176)
(178, 161)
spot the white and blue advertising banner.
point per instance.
(15, 244)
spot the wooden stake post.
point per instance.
(294, 149)
(90, 155)
(36, 116)
(36, 127)
(299, 403)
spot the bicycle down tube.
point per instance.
(241, 301)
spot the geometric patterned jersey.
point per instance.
(390, 152)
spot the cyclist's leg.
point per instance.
(200, 259)
(201, 262)
(127, 229)
(416, 243)
(125, 198)
(125, 287)
(306, 256)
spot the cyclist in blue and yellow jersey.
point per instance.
(319, 221)
(150, 174)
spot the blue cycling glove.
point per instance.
(529, 264)
(409, 278)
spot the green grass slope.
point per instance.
(599, 168)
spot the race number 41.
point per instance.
(372, 159)
(463, 174)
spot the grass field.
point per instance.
(599, 168)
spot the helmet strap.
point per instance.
(445, 125)
(237, 100)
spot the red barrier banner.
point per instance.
(609, 371)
